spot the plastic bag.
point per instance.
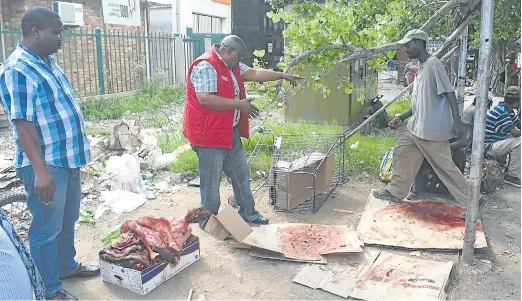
(385, 171)
(119, 201)
(125, 171)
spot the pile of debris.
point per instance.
(124, 167)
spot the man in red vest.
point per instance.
(216, 117)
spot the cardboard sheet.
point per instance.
(268, 237)
(414, 225)
(261, 253)
(338, 279)
(383, 276)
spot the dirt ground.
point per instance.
(227, 273)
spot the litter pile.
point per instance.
(149, 240)
(126, 170)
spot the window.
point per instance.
(206, 24)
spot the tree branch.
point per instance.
(364, 53)
(361, 53)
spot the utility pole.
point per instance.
(477, 154)
(461, 81)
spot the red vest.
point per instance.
(209, 128)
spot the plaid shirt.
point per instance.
(204, 77)
(41, 93)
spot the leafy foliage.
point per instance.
(340, 25)
(506, 25)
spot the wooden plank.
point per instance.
(414, 225)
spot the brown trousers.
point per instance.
(408, 155)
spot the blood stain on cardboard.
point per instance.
(436, 214)
(308, 242)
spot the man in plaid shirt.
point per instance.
(216, 117)
(51, 146)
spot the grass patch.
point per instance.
(186, 164)
(365, 158)
(149, 98)
(298, 128)
(368, 155)
(169, 141)
(93, 131)
(398, 107)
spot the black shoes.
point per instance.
(384, 194)
(261, 220)
(61, 295)
(84, 271)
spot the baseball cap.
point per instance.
(512, 91)
(414, 34)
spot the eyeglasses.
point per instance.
(240, 55)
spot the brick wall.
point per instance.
(93, 13)
(123, 55)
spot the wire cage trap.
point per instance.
(305, 170)
(259, 158)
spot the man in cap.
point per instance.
(434, 121)
(216, 117)
(503, 133)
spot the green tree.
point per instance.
(506, 30)
(322, 36)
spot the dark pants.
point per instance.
(212, 163)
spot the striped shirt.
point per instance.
(499, 123)
(40, 93)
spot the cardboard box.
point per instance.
(142, 282)
(298, 176)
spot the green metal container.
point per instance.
(340, 107)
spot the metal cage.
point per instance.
(305, 170)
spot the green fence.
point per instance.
(204, 39)
(101, 61)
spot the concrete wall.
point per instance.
(214, 8)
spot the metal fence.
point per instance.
(111, 61)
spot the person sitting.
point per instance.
(468, 117)
(503, 134)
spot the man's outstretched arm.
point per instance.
(263, 75)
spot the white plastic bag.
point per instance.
(119, 201)
(125, 172)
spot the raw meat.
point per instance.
(157, 238)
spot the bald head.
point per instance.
(232, 50)
(234, 42)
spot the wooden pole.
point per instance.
(477, 154)
(461, 81)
